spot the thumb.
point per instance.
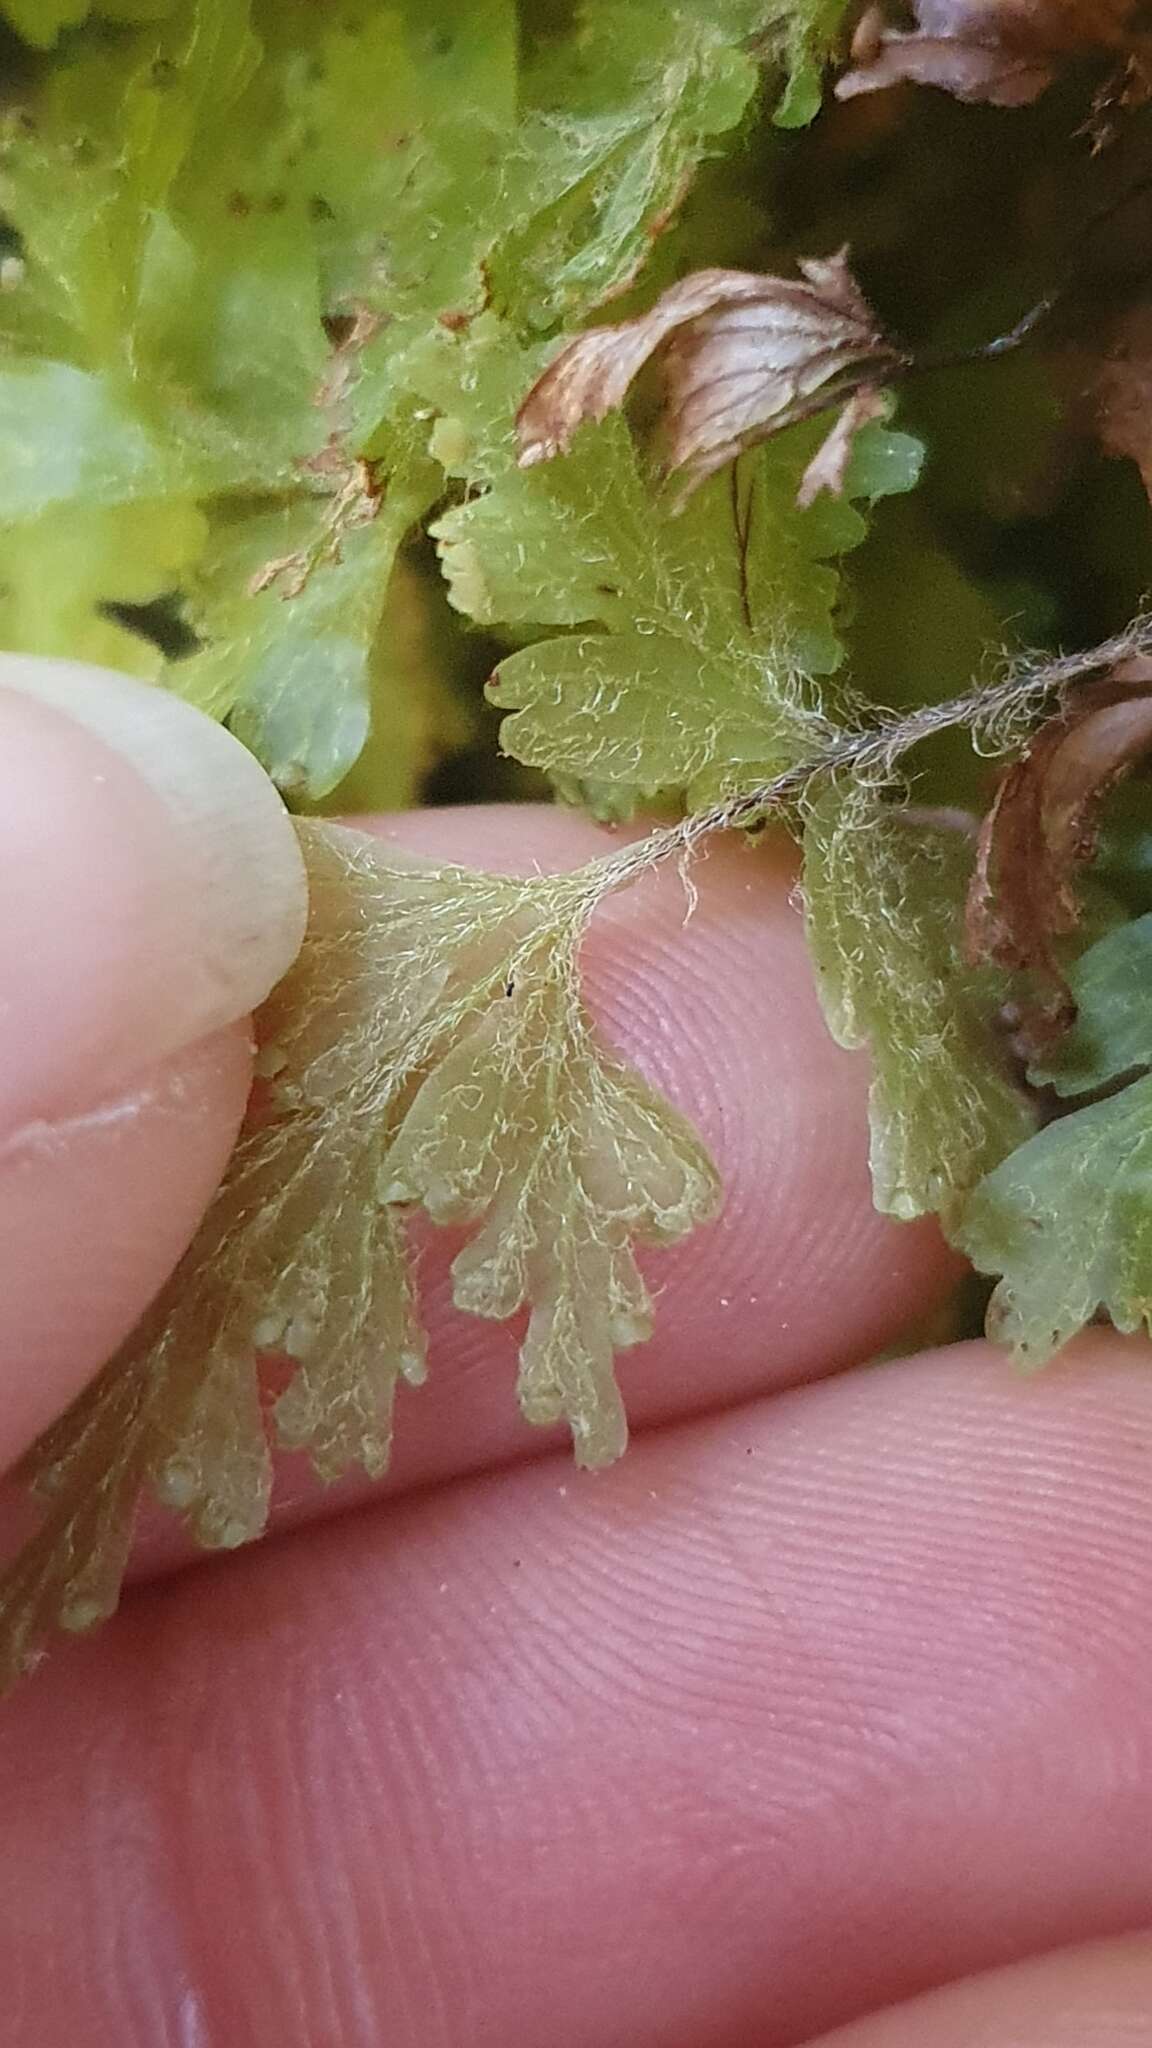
(152, 893)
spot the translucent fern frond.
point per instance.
(430, 1046)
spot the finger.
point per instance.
(799, 1275)
(152, 893)
(1094, 1997)
(796, 1712)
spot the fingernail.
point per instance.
(153, 888)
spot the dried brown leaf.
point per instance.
(744, 355)
(1004, 53)
(1040, 831)
(828, 469)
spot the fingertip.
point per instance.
(95, 1210)
(1095, 1996)
(153, 892)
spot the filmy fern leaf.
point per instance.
(884, 901)
(429, 1046)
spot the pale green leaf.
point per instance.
(121, 118)
(247, 169)
(428, 1045)
(565, 1157)
(614, 128)
(1067, 1221)
(68, 437)
(884, 906)
(40, 21)
(417, 714)
(801, 35)
(59, 573)
(290, 604)
(90, 1469)
(399, 126)
(639, 714)
(713, 616)
(1111, 985)
(296, 1255)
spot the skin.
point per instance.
(826, 1708)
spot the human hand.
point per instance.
(835, 1688)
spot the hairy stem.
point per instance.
(995, 713)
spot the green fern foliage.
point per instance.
(279, 286)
